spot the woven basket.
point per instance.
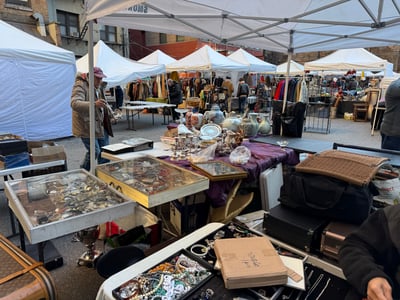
(193, 102)
(354, 168)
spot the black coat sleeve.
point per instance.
(368, 252)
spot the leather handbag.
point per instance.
(328, 197)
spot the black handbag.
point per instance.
(327, 197)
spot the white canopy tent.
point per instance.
(119, 70)
(206, 59)
(255, 64)
(303, 26)
(37, 79)
(157, 57)
(294, 69)
(358, 59)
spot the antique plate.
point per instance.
(210, 130)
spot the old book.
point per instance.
(249, 262)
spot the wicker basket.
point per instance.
(354, 168)
(193, 102)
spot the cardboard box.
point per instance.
(39, 144)
(249, 262)
(197, 213)
(50, 153)
(14, 160)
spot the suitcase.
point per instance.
(333, 236)
(271, 181)
(22, 277)
(294, 228)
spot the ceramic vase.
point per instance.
(196, 119)
(264, 127)
(232, 123)
(249, 127)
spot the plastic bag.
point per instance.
(204, 154)
(387, 182)
(240, 155)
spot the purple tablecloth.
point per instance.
(263, 157)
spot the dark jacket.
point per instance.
(390, 124)
(243, 90)
(373, 251)
(175, 93)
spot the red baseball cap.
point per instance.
(98, 73)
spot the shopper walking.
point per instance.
(242, 93)
(80, 105)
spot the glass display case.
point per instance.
(56, 204)
(151, 181)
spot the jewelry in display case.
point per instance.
(176, 278)
(58, 196)
(151, 181)
(219, 170)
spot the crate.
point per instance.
(197, 213)
(14, 160)
(13, 146)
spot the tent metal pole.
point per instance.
(92, 151)
(286, 87)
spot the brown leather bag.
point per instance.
(22, 277)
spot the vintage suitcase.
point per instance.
(333, 184)
(294, 228)
(22, 277)
(333, 236)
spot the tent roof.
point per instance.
(255, 64)
(14, 46)
(204, 59)
(295, 68)
(157, 57)
(346, 59)
(119, 69)
(302, 26)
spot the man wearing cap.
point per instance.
(80, 105)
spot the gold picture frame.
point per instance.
(219, 170)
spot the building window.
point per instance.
(68, 23)
(26, 3)
(108, 33)
(180, 38)
(163, 38)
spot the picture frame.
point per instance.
(219, 170)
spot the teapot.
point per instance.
(214, 115)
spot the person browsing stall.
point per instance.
(370, 257)
(242, 93)
(80, 105)
(390, 127)
(175, 96)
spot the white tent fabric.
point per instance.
(294, 68)
(255, 64)
(119, 70)
(37, 79)
(286, 26)
(205, 59)
(157, 57)
(358, 59)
